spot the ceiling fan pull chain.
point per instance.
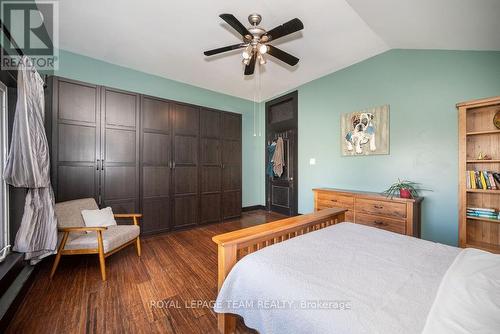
(254, 116)
(260, 97)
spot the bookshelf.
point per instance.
(477, 134)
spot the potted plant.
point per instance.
(405, 188)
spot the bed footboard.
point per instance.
(234, 245)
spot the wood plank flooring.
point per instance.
(141, 295)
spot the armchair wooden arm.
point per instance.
(134, 216)
(81, 229)
(127, 215)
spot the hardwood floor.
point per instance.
(150, 294)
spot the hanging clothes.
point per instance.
(28, 166)
(278, 158)
(270, 153)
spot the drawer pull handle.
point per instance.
(378, 206)
(334, 200)
(376, 222)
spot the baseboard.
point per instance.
(253, 207)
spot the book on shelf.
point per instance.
(482, 209)
(496, 176)
(488, 213)
(492, 181)
(484, 180)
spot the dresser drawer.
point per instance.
(383, 208)
(335, 201)
(382, 223)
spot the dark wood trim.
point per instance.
(253, 208)
(286, 125)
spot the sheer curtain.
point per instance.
(28, 166)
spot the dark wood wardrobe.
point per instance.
(178, 164)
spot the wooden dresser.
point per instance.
(398, 215)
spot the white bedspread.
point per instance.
(372, 281)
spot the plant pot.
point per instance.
(405, 193)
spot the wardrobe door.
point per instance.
(155, 166)
(120, 150)
(185, 165)
(210, 166)
(75, 140)
(231, 165)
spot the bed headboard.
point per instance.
(234, 245)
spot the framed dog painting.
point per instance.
(365, 132)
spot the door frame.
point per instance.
(290, 124)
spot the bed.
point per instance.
(333, 277)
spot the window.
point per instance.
(4, 194)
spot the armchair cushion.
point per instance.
(113, 237)
(69, 214)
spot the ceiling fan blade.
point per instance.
(250, 68)
(233, 22)
(224, 49)
(285, 29)
(282, 55)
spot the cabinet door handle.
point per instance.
(378, 206)
(102, 164)
(97, 164)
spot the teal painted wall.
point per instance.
(422, 88)
(95, 71)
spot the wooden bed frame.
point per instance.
(234, 245)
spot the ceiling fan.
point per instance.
(255, 41)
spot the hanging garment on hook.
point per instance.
(278, 158)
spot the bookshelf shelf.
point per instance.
(484, 191)
(477, 136)
(494, 248)
(479, 133)
(483, 161)
(484, 219)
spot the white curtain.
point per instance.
(28, 166)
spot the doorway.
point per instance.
(281, 127)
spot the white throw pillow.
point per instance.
(98, 218)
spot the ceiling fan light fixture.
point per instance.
(262, 60)
(247, 53)
(254, 41)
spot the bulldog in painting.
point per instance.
(361, 133)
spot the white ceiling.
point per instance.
(167, 38)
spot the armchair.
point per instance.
(104, 241)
